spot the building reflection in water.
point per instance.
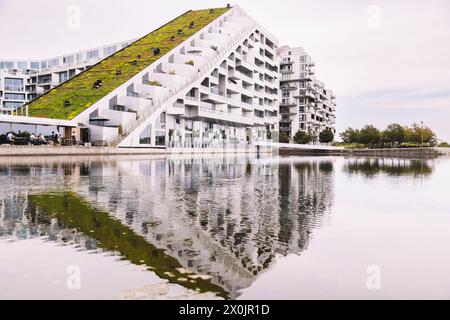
(225, 217)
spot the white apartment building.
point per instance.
(306, 105)
(23, 80)
(219, 87)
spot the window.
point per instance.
(12, 105)
(69, 60)
(92, 54)
(63, 77)
(109, 51)
(14, 96)
(12, 84)
(53, 63)
(79, 57)
(161, 124)
(146, 136)
(34, 65)
(7, 65)
(45, 79)
(22, 65)
(43, 64)
(160, 138)
(189, 125)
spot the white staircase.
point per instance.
(204, 72)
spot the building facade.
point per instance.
(23, 80)
(220, 81)
(306, 104)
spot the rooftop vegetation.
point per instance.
(79, 93)
(75, 212)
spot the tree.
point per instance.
(425, 135)
(326, 136)
(302, 137)
(393, 134)
(283, 137)
(369, 135)
(350, 135)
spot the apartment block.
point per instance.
(307, 104)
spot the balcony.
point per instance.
(286, 71)
(215, 90)
(209, 112)
(286, 129)
(178, 105)
(288, 103)
(13, 88)
(289, 86)
(286, 62)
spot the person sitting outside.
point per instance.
(41, 139)
(32, 138)
(10, 138)
(74, 139)
(55, 137)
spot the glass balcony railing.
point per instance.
(13, 88)
(217, 91)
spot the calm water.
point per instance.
(233, 227)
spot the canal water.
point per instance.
(232, 227)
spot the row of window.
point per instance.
(36, 65)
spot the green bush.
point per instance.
(326, 136)
(24, 134)
(155, 83)
(190, 62)
(283, 137)
(302, 137)
(395, 135)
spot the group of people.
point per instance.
(25, 138)
(33, 139)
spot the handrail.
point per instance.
(144, 115)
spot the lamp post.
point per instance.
(422, 132)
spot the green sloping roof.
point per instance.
(79, 90)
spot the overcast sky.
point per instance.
(387, 61)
